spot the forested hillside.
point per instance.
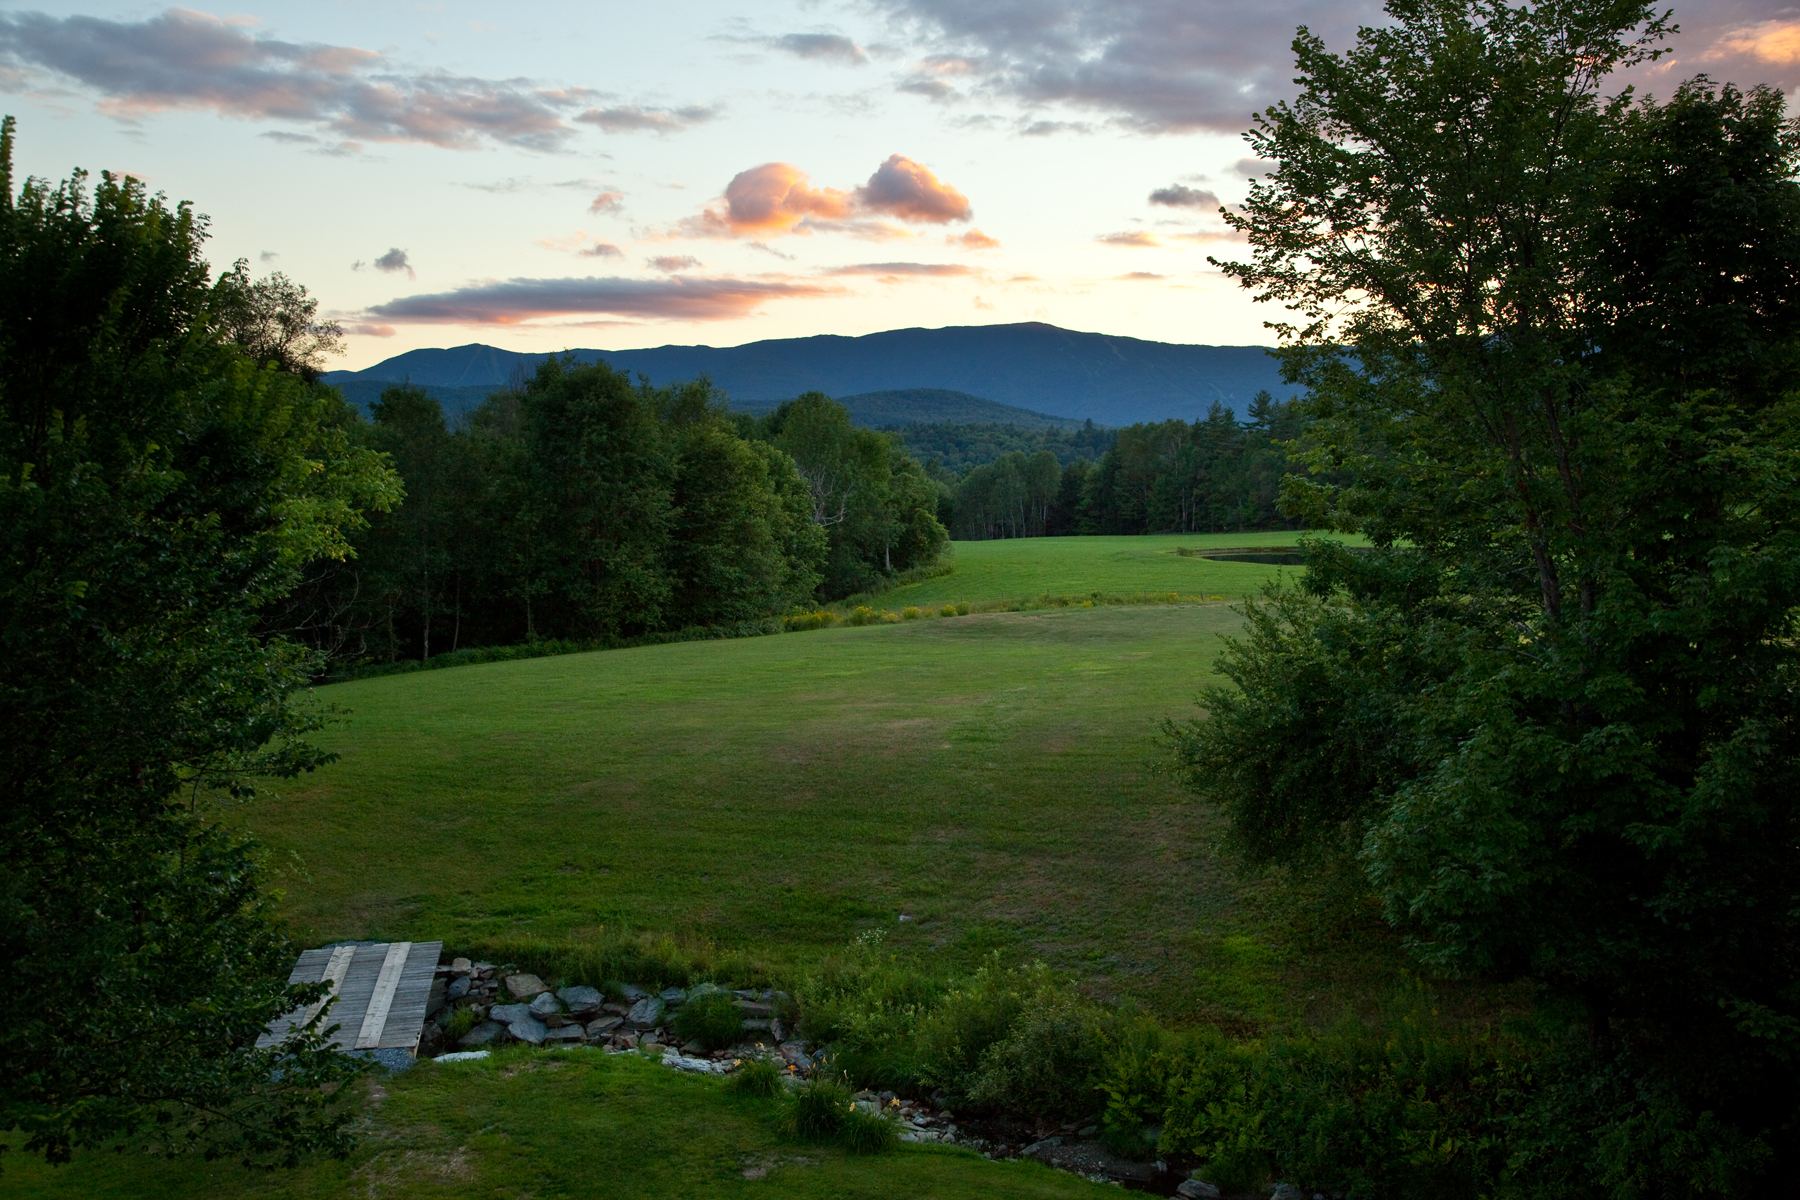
(1216, 474)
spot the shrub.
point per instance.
(949, 610)
(962, 608)
(862, 614)
(910, 613)
(757, 1077)
(1045, 1066)
(713, 1020)
(968, 1020)
(816, 1109)
(867, 1006)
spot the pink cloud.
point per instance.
(972, 239)
(895, 270)
(513, 301)
(908, 190)
(1136, 238)
(779, 198)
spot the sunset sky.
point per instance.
(544, 175)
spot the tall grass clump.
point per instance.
(759, 1076)
(816, 1110)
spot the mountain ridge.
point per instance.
(1044, 369)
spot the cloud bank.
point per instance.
(513, 301)
(188, 60)
(631, 118)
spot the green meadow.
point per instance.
(1022, 568)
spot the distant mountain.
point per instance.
(1040, 368)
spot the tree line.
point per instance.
(582, 505)
(1212, 475)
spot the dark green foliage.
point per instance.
(158, 492)
(1045, 1066)
(954, 449)
(713, 1020)
(870, 497)
(1553, 709)
(1215, 475)
(757, 1077)
(815, 1111)
(580, 507)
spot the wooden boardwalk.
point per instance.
(380, 990)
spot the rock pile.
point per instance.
(507, 1005)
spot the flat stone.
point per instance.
(755, 1026)
(581, 999)
(462, 1056)
(529, 1029)
(674, 995)
(459, 987)
(506, 1014)
(482, 1034)
(796, 1056)
(647, 1012)
(566, 1033)
(461, 964)
(702, 990)
(524, 986)
(545, 1005)
(1196, 1189)
(604, 1026)
(617, 1010)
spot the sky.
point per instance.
(541, 176)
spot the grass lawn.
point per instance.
(1016, 568)
(527, 1123)
(997, 778)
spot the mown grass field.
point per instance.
(1017, 568)
(531, 1125)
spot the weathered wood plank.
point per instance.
(382, 997)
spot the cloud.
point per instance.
(1178, 195)
(608, 202)
(268, 256)
(395, 260)
(828, 47)
(896, 269)
(1136, 237)
(673, 262)
(972, 239)
(380, 331)
(630, 118)
(582, 243)
(931, 89)
(513, 301)
(1157, 66)
(1773, 42)
(1254, 168)
(903, 188)
(779, 198)
(189, 60)
(1140, 275)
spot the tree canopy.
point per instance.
(158, 489)
(1549, 339)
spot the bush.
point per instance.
(816, 1110)
(949, 610)
(862, 614)
(1045, 1066)
(757, 1077)
(962, 608)
(712, 1020)
(910, 613)
(968, 1020)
